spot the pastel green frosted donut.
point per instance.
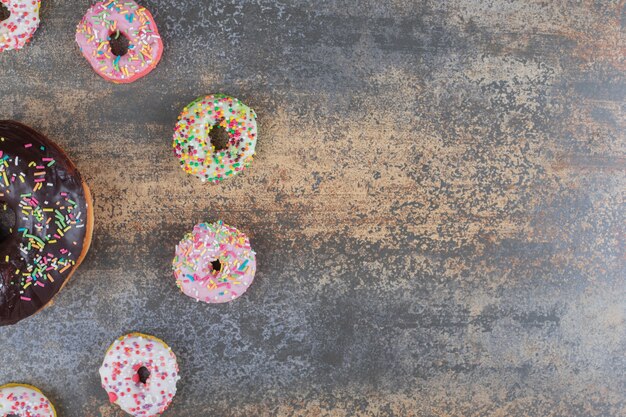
(215, 137)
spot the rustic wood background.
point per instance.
(437, 206)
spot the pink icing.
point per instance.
(105, 19)
(195, 262)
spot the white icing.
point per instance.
(119, 375)
(17, 30)
(24, 402)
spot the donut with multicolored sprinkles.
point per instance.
(215, 137)
(214, 263)
(49, 221)
(120, 40)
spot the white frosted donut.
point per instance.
(139, 373)
(24, 401)
(18, 28)
(197, 143)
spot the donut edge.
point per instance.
(86, 242)
(18, 385)
(145, 336)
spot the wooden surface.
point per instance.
(437, 206)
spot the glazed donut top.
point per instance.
(45, 191)
(108, 19)
(121, 375)
(17, 30)
(24, 401)
(214, 263)
(192, 141)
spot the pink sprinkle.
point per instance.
(24, 298)
(28, 145)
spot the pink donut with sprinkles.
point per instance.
(19, 19)
(214, 263)
(120, 40)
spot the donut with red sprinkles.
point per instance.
(139, 373)
(24, 400)
(19, 19)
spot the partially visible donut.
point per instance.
(214, 263)
(215, 137)
(50, 206)
(120, 40)
(18, 28)
(24, 401)
(139, 373)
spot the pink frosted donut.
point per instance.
(120, 40)
(214, 263)
(18, 24)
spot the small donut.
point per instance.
(120, 40)
(139, 373)
(214, 263)
(20, 25)
(47, 221)
(24, 401)
(215, 137)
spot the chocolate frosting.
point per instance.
(50, 202)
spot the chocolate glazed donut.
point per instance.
(41, 189)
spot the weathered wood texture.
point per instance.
(437, 206)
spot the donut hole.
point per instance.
(12, 415)
(7, 221)
(219, 138)
(119, 43)
(4, 15)
(217, 266)
(143, 374)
